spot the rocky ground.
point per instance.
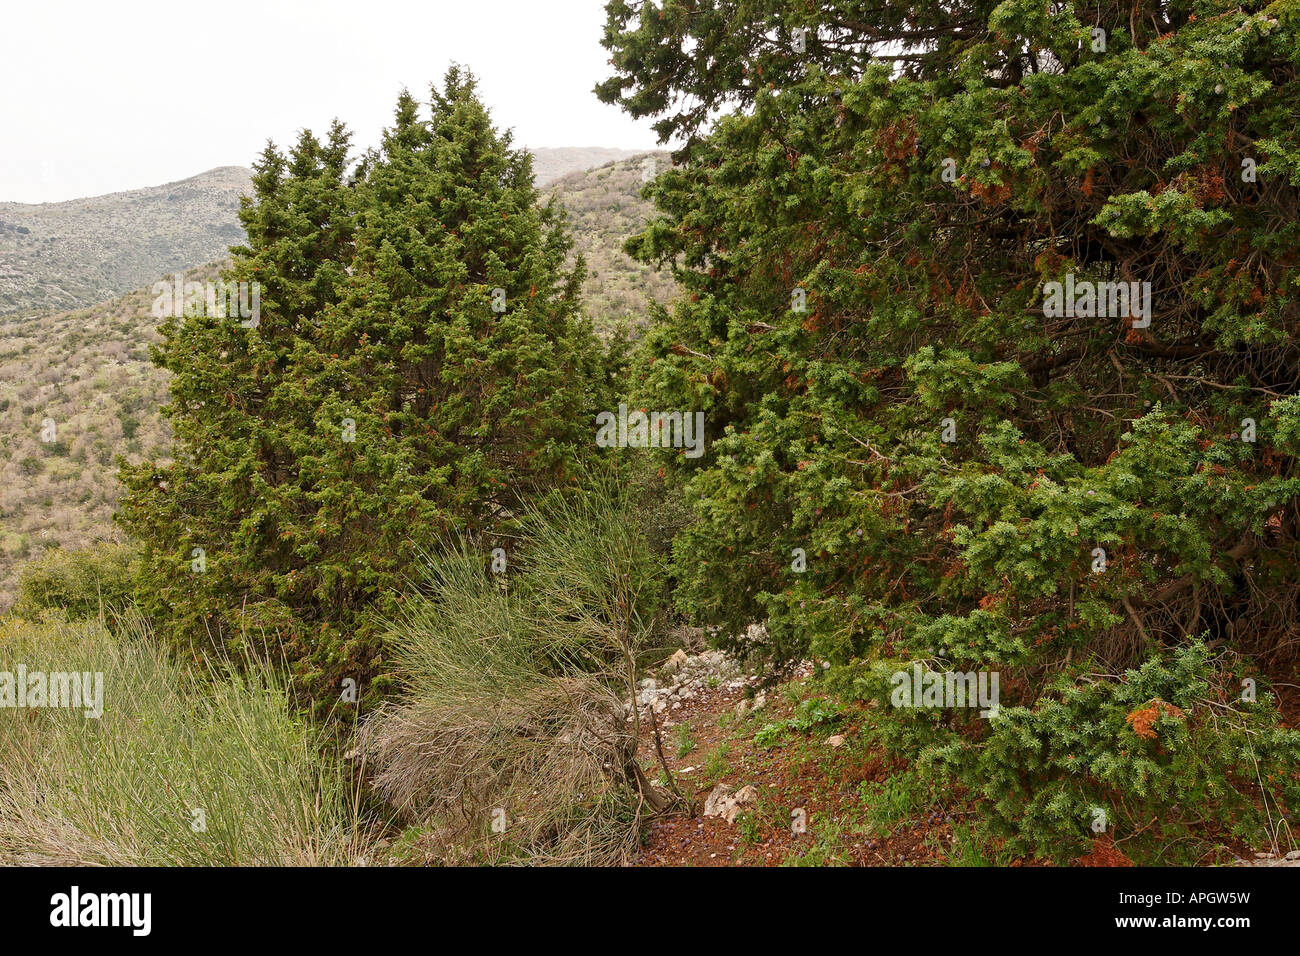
(1291, 858)
(790, 798)
(781, 776)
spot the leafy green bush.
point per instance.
(420, 368)
(1169, 753)
(807, 715)
(899, 797)
(1165, 758)
(79, 583)
(913, 453)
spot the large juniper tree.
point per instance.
(419, 368)
(865, 237)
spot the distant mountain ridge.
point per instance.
(604, 208)
(549, 164)
(68, 255)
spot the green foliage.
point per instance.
(1166, 752)
(966, 849)
(79, 583)
(898, 798)
(948, 454)
(379, 404)
(684, 735)
(89, 369)
(808, 714)
(769, 735)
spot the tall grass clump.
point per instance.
(184, 767)
(515, 739)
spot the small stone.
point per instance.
(726, 803)
(713, 804)
(835, 742)
(745, 795)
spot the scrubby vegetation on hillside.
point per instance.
(1015, 580)
(604, 207)
(76, 391)
(70, 255)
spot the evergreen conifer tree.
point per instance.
(419, 369)
(868, 235)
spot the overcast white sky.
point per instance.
(98, 97)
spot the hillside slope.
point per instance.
(68, 255)
(549, 164)
(605, 208)
(88, 373)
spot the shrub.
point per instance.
(79, 583)
(517, 691)
(389, 396)
(873, 251)
(1171, 755)
(1165, 758)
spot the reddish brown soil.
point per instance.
(802, 774)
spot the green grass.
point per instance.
(749, 828)
(513, 696)
(899, 797)
(685, 739)
(716, 765)
(810, 713)
(186, 766)
(966, 849)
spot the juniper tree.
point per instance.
(420, 368)
(867, 237)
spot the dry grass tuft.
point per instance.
(517, 694)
